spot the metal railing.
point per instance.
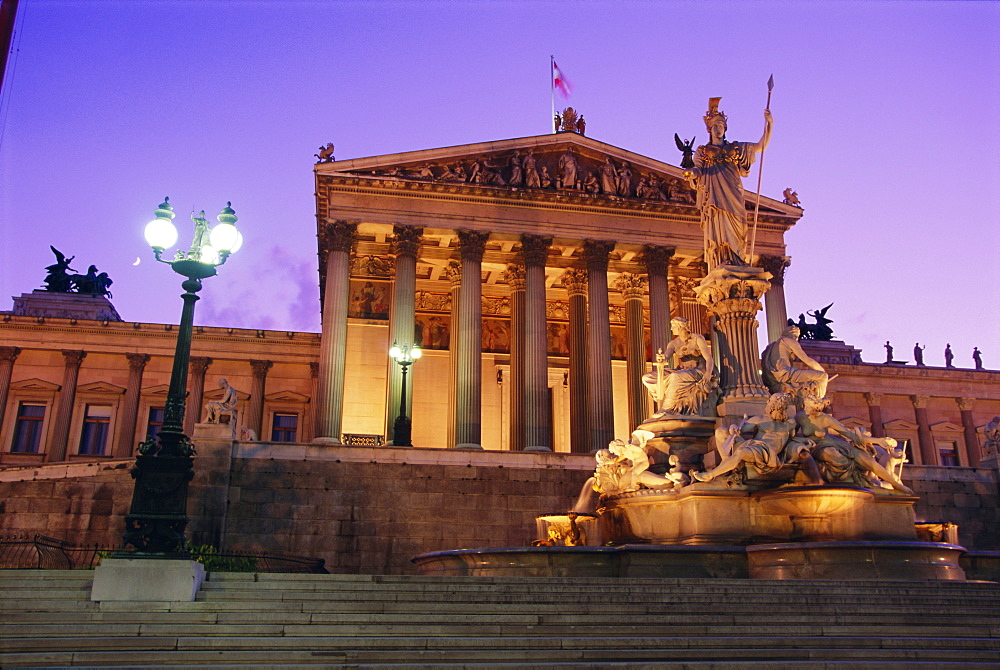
(47, 553)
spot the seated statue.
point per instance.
(840, 452)
(772, 445)
(225, 404)
(681, 389)
(992, 433)
(782, 376)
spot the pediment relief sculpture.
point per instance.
(565, 169)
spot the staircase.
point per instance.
(358, 621)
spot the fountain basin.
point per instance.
(810, 508)
(875, 560)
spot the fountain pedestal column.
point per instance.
(732, 294)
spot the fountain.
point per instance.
(795, 494)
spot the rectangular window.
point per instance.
(948, 453)
(284, 427)
(155, 423)
(96, 425)
(28, 428)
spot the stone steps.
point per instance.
(420, 622)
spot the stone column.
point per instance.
(255, 412)
(969, 429)
(405, 246)
(469, 359)
(874, 401)
(515, 280)
(601, 424)
(732, 296)
(928, 452)
(198, 366)
(657, 260)
(575, 283)
(774, 299)
(336, 238)
(309, 413)
(7, 357)
(453, 271)
(632, 288)
(130, 406)
(64, 410)
(537, 413)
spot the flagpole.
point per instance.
(552, 87)
(760, 174)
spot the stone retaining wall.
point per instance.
(367, 510)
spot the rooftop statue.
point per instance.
(780, 373)
(325, 154)
(58, 279)
(681, 387)
(717, 172)
(791, 198)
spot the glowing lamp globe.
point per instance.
(395, 352)
(160, 233)
(210, 255)
(415, 352)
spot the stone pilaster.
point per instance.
(575, 283)
(537, 414)
(600, 397)
(657, 260)
(198, 367)
(732, 296)
(975, 454)
(308, 429)
(64, 410)
(774, 301)
(469, 370)
(130, 405)
(405, 246)
(7, 357)
(874, 401)
(337, 238)
(453, 271)
(255, 412)
(515, 278)
(632, 287)
(928, 451)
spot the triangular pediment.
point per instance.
(566, 163)
(946, 426)
(900, 424)
(855, 423)
(158, 390)
(216, 394)
(286, 396)
(100, 387)
(34, 384)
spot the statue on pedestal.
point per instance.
(225, 404)
(992, 434)
(780, 374)
(681, 388)
(716, 175)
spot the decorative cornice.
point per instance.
(406, 240)
(535, 249)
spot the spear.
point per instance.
(760, 173)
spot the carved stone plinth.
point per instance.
(732, 294)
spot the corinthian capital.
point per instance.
(631, 286)
(406, 240)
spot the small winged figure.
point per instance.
(687, 148)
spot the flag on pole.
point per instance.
(559, 81)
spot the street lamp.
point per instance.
(154, 526)
(404, 355)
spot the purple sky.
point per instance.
(109, 106)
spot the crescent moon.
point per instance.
(137, 260)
